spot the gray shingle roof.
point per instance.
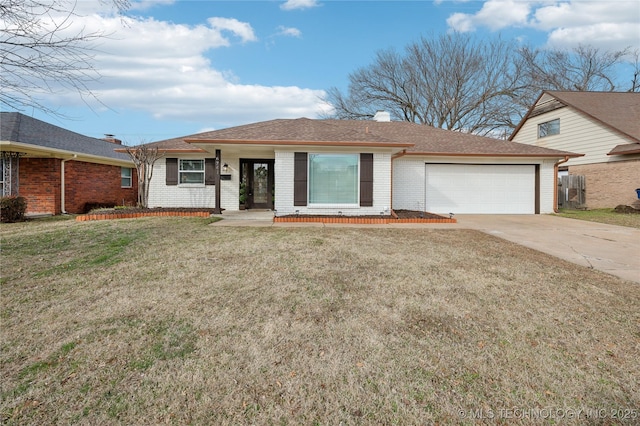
(17, 127)
(415, 138)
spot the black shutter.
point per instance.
(366, 180)
(209, 171)
(300, 179)
(172, 171)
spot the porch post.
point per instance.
(218, 208)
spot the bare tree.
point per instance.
(144, 158)
(635, 78)
(458, 82)
(453, 81)
(39, 55)
(583, 68)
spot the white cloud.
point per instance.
(240, 29)
(494, 14)
(299, 4)
(606, 24)
(160, 68)
(289, 31)
(148, 4)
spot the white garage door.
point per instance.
(474, 188)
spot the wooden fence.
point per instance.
(572, 190)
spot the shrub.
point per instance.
(12, 209)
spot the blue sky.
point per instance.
(174, 68)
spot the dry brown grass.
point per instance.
(163, 320)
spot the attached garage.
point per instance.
(481, 188)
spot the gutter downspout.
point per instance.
(555, 182)
(63, 210)
(393, 157)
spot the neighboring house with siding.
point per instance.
(605, 126)
(59, 171)
(329, 167)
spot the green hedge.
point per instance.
(12, 209)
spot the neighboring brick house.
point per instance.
(605, 126)
(353, 168)
(59, 171)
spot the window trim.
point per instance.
(181, 172)
(130, 177)
(355, 204)
(548, 127)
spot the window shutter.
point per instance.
(366, 180)
(300, 179)
(172, 171)
(209, 171)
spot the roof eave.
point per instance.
(637, 151)
(173, 151)
(36, 151)
(500, 155)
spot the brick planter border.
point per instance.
(102, 216)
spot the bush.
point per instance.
(12, 209)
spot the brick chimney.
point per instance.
(112, 139)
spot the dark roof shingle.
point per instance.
(17, 127)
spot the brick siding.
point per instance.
(96, 183)
(610, 184)
(40, 184)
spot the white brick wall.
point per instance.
(161, 195)
(408, 183)
(547, 187)
(284, 188)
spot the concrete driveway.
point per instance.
(609, 248)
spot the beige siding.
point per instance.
(578, 134)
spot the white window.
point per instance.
(333, 178)
(191, 171)
(125, 177)
(549, 128)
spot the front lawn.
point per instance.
(608, 216)
(173, 320)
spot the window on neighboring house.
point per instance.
(333, 178)
(549, 128)
(2, 176)
(125, 177)
(191, 171)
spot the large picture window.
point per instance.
(191, 171)
(549, 128)
(333, 178)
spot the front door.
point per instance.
(258, 176)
